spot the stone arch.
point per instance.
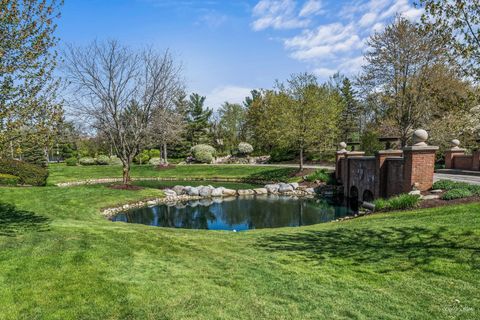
(353, 194)
(367, 196)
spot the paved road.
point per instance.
(458, 177)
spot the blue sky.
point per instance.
(229, 47)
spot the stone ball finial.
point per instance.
(342, 145)
(420, 137)
(455, 143)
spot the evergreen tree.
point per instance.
(198, 120)
(350, 117)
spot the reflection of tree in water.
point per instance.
(254, 212)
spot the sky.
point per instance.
(229, 47)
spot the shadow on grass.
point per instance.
(399, 248)
(273, 175)
(14, 221)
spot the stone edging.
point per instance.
(111, 180)
(187, 193)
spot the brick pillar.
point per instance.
(346, 170)
(381, 170)
(476, 160)
(339, 155)
(450, 155)
(418, 168)
(418, 163)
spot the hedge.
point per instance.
(87, 161)
(28, 174)
(71, 162)
(8, 180)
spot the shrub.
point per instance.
(86, 161)
(27, 173)
(456, 194)
(203, 153)
(453, 185)
(445, 185)
(245, 148)
(102, 160)
(115, 161)
(320, 174)
(156, 161)
(154, 153)
(71, 162)
(204, 148)
(203, 157)
(8, 180)
(142, 157)
(400, 202)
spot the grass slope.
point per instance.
(62, 173)
(59, 259)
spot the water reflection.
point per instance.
(242, 213)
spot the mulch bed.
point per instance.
(163, 167)
(439, 202)
(125, 187)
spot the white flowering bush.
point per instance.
(203, 153)
(245, 148)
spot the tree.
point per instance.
(399, 65)
(168, 126)
(120, 90)
(458, 20)
(350, 117)
(28, 100)
(232, 124)
(306, 113)
(198, 119)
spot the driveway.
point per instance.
(457, 177)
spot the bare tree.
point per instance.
(119, 90)
(168, 126)
(398, 73)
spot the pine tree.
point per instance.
(350, 117)
(198, 120)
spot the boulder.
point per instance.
(246, 192)
(170, 193)
(294, 185)
(218, 192)
(272, 188)
(436, 191)
(310, 191)
(260, 191)
(229, 192)
(284, 188)
(431, 197)
(179, 190)
(192, 191)
(415, 193)
(205, 191)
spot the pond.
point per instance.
(238, 213)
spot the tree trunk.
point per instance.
(301, 159)
(126, 173)
(165, 158)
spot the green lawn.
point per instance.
(60, 259)
(63, 173)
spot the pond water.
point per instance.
(238, 214)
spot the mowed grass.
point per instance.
(62, 173)
(60, 259)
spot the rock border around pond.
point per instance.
(188, 193)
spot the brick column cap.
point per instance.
(355, 153)
(456, 149)
(393, 152)
(421, 148)
(341, 152)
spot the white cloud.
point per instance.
(232, 94)
(338, 43)
(277, 14)
(311, 7)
